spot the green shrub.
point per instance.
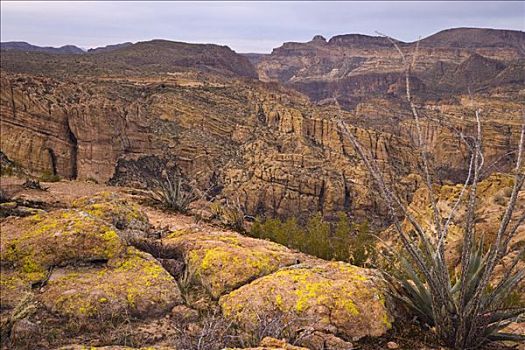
(341, 240)
(49, 177)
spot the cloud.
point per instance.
(244, 26)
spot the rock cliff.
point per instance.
(348, 67)
(156, 105)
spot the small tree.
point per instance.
(467, 312)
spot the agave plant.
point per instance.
(173, 192)
(466, 312)
(410, 289)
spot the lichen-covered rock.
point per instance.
(56, 239)
(223, 261)
(133, 285)
(334, 298)
(113, 347)
(269, 343)
(115, 209)
(14, 285)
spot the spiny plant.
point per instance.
(409, 288)
(173, 192)
(464, 311)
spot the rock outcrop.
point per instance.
(70, 271)
(333, 298)
(71, 274)
(270, 149)
(220, 262)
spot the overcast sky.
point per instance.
(244, 26)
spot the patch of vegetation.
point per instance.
(173, 192)
(231, 214)
(342, 240)
(49, 177)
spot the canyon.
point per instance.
(89, 261)
(271, 144)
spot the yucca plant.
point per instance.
(409, 288)
(464, 312)
(173, 192)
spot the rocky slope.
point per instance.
(75, 275)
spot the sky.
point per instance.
(245, 26)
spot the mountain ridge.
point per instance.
(27, 47)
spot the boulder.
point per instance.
(269, 343)
(115, 209)
(331, 297)
(221, 261)
(57, 239)
(133, 285)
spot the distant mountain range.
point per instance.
(142, 58)
(66, 49)
(452, 38)
(23, 46)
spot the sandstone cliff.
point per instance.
(348, 67)
(259, 143)
(267, 147)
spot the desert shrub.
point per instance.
(500, 199)
(214, 332)
(6, 170)
(341, 240)
(91, 180)
(230, 214)
(173, 192)
(49, 177)
(5, 196)
(362, 246)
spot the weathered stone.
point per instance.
(134, 285)
(392, 345)
(334, 298)
(115, 209)
(59, 238)
(23, 331)
(222, 261)
(269, 343)
(324, 341)
(184, 313)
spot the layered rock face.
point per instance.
(348, 68)
(267, 147)
(258, 144)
